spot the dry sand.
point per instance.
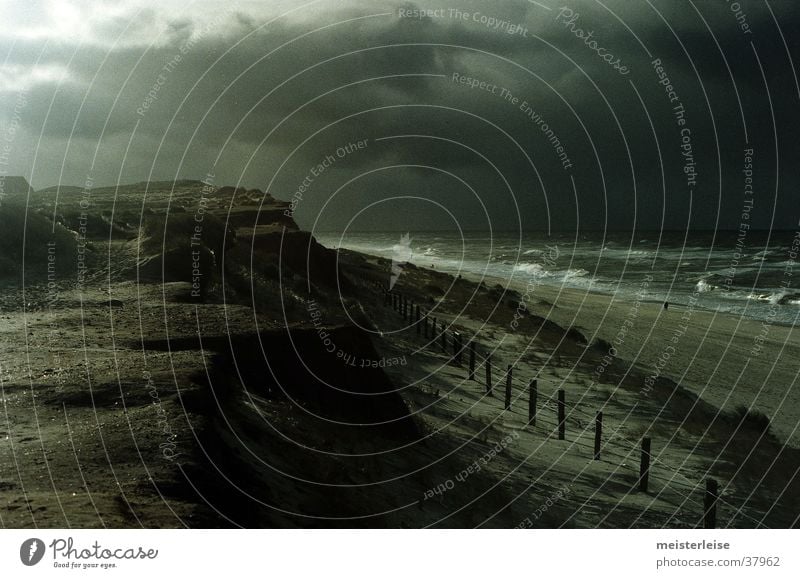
(129, 403)
(714, 354)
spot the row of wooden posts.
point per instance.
(410, 311)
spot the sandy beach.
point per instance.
(730, 361)
(278, 387)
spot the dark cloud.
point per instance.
(261, 102)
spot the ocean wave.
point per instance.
(573, 273)
(533, 269)
(703, 286)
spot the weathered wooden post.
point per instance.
(404, 308)
(489, 374)
(457, 348)
(644, 467)
(533, 394)
(562, 419)
(444, 338)
(598, 433)
(710, 504)
(508, 388)
(416, 318)
(425, 327)
(472, 360)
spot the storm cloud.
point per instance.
(508, 115)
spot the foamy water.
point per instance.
(755, 280)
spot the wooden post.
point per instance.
(457, 347)
(404, 308)
(598, 433)
(508, 388)
(562, 419)
(444, 338)
(433, 331)
(425, 327)
(416, 317)
(533, 394)
(644, 467)
(710, 504)
(489, 374)
(472, 360)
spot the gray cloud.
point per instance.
(259, 101)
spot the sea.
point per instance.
(744, 273)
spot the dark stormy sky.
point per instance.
(264, 91)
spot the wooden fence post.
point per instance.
(472, 359)
(457, 347)
(444, 337)
(598, 433)
(644, 467)
(533, 394)
(489, 374)
(562, 418)
(508, 388)
(425, 327)
(710, 504)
